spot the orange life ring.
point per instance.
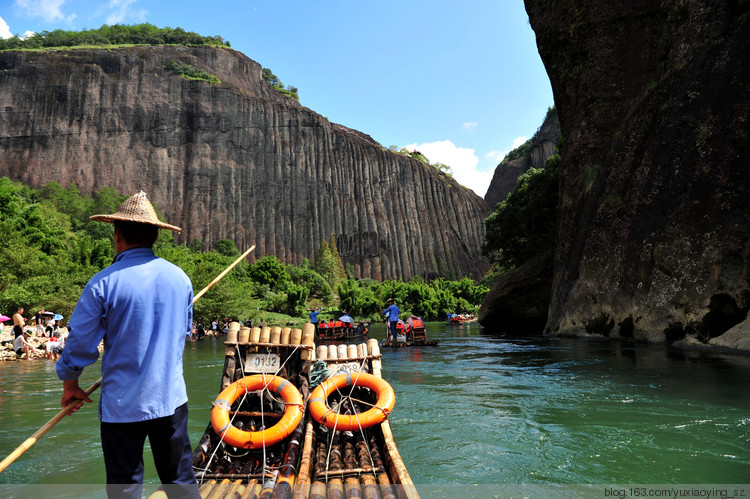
(323, 414)
(257, 439)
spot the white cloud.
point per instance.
(470, 125)
(463, 162)
(5, 29)
(497, 156)
(121, 11)
(49, 10)
(519, 141)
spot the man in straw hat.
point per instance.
(141, 306)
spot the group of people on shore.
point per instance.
(45, 325)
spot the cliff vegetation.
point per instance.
(111, 35)
(51, 249)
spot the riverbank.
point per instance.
(6, 342)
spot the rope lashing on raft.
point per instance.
(221, 421)
(378, 412)
(318, 374)
(225, 404)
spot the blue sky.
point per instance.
(462, 82)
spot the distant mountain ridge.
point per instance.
(232, 160)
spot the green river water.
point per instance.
(477, 412)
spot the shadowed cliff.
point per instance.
(235, 160)
(653, 101)
(536, 152)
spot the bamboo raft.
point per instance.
(313, 461)
(415, 335)
(337, 331)
(407, 343)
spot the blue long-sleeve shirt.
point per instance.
(392, 312)
(141, 306)
(314, 317)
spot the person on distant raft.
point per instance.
(142, 306)
(314, 320)
(391, 314)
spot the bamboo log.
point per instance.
(333, 352)
(318, 489)
(243, 336)
(351, 483)
(220, 489)
(383, 479)
(352, 352)
(398, 463)
(335, 485)
(308, 339)
(206, 488)
(251, 490)
(295, 337)
(265, 335)
(287, 472)
(302, 486)
(286, 334)
(275, 335)
(369, 484)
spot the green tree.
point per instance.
(523, 226)
(296, 299)
(305, 275)
(196, 245)
(117, 34)
(328, 263)
(274, 81)
(270, 271)
(226, 247)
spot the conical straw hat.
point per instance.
(136, 209)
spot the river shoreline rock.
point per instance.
(520, 299)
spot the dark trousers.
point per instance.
(393, 325)
(122, 446)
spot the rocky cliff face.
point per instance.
(654, 100)
(506, 173)
(235, 160)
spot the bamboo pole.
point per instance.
(44, 429)
(64, 412)
(226, 271)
